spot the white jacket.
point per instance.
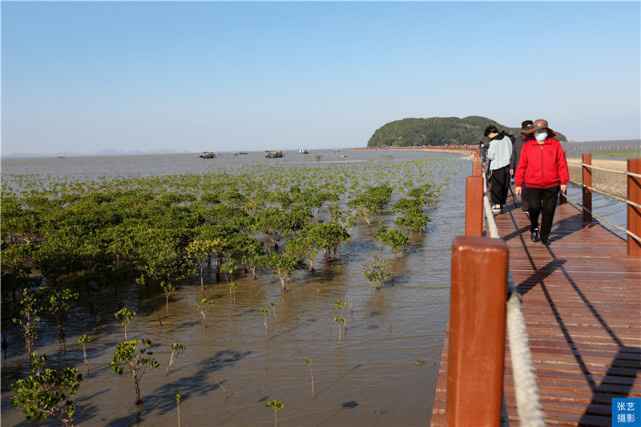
(500, 153)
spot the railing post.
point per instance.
(476, 342)
(586, 179)
(634, 213)
(474, 206)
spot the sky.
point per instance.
(92, 77)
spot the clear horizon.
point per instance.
(86, 78)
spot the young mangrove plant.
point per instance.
(265, 311)
(276, 406)
(283, 265)
(169, 289)
(377, 271)
(176, 350)
(202, 303)
(83, 340)
(200, 251)
(309, 362)
(59, 303)
(47, 392)
(28, 321)
(124, 316)
(178, 400)
(135, 357)
(393, 238)
(340, 321)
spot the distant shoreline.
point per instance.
(466, 150)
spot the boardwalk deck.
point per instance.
(582, 304)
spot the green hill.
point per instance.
(435, 131)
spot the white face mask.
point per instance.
(541, 136)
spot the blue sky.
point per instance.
(89, 77)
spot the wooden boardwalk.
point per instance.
(582, 304)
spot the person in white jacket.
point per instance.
(499, 156)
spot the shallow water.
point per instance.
(381, 374)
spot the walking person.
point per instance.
(544, 170)
(499, 156)
(526, 135)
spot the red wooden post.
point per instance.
(586, 159)
(634, 213)
(474, 206)
(476, 340)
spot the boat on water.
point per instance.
(207, 155)
(302, 150)
(274, 154)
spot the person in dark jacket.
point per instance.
(526, 134)
(544, 170)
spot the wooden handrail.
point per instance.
(586, 180)
(634, 213)
(476, 339)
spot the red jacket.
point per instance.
(542, 165)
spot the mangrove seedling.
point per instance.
(276, 406)
(200, 250)
(47, 392)
(59, 302)
(178, 400)
(83, 340)
(29, 319)
(308, 362)
(340, 304)
(135, 357)
(169, 290)
(377, 271)
(124, 316)
(202, 303)
(232, 288)
(176, 349)
(340, 321)
(393, 238)
(265, 311)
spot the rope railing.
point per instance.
(610, 195)
(599, 168)
(528, 402)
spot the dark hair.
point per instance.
(526, 124)
(490, 129)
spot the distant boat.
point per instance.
(302, 150)
(273, 154)
(208, 155)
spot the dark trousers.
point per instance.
(542, 201)
(499, 182)
(524, 203)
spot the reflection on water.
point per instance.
(232, 364)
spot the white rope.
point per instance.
(604, 221)
(605, 193)
(528, 402)
(620, 172)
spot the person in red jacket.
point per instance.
(544, 171)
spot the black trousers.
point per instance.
(542, 201)
(499, 183)
(524, 203)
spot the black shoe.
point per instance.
(534, 235)
(545, 241)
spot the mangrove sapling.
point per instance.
(276, 406)
(265, 311)
(232, 288)
(200, 250)
(377, 271)
(283, 265)
(29, 319)
(124, 316)
(176, 350)
(135, 357)
(169, 290)
(47, 392)
(59, 303)
(178, 400)
(393, 238)
(202, 303)
(309, 362)
(83, 340)
(340, 321)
